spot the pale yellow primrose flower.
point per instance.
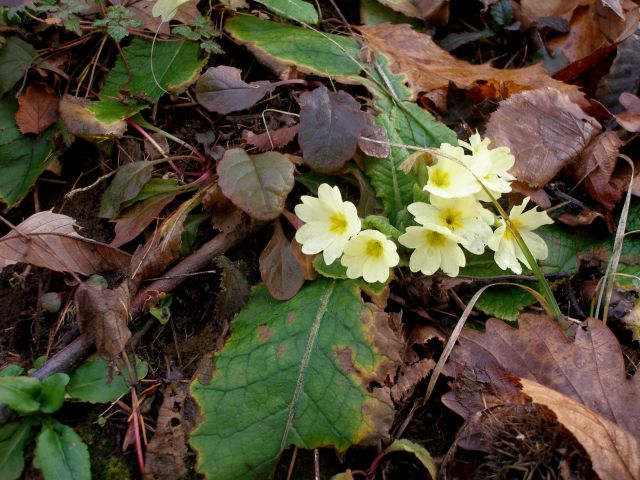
(436, 248)
(464, 217)
(449, 177)
(329, 223)
(490, 166)
(504, 244)
(370, 255)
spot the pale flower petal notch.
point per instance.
(507, 252)
(370, 255)
(166, 9)
(329, 223)
(435, 248)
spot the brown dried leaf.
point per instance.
(279, 268)
(271, 140)
(142, 13)
(167, 449)
(589, 369)
(234, 289)
(409, 377)
(378, 148)
(614, 452)
(104, 312)
(37, 109)
(595, 169)
(49, 240)
(429, 67)
(545, 131)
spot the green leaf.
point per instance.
(61, 454)
(505, 301)
(313, 52)
(297, 372)
(258, 184)
(11, 370)
(95, 382)
(125, 186)
(14, 436)
(292, 9)
(131, 88)
(336, 270)
(20, 394)
(52, 395)
(190, 230)
(162, 311)
(373, 13)
(16, 57)
(22, 157)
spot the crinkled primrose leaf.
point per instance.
(295, 373)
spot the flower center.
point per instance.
(515, 223)
(374, 248)
(451, 218)
(439, 177)
(338, 223)
(435, 239)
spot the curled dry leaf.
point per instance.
(49, 240)
(104, 312)
(271, 140)
(330, 128)
(614, 452)
(374, 141)
(38, 109)
(222, 90)
(589, 369)
(429, 67)
(545, 131)
(623, 76)
(83, 123)
(630, 117)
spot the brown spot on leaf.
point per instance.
(281, 349)
(345, 359)
(264, 333)
(291, 318)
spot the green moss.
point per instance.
(107, 462)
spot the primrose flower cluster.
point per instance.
(454, 220)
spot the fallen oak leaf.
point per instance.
(428, 67)
(49, 240)
(37, 109)
(545, 131)
(614, 452)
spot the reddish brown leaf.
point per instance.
(589, 369)
(614, 452)
(305, 261)
(234, 288)
(429, 67)
(271, 140)
(595, 167)
(49, 240)
(142, 13)
(330, 127)
(222, 90)
(105, 313)
(133, 221)
(374, 141)
(279, 268)
(409, 377)
(37, 109)
(623, 76)
(82, 123)
(545, 131)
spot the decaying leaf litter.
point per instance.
(243, 239)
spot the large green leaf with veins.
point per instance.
(149, 71)
(309, 50)
(299, 373)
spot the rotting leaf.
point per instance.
(37, 109)
(258, 184)
(589, 369)
(323, 346)
(222, 90)
(83, 123)
(49, 240)
(167, 450)
(630, 117)
(104, 312)
(623, 76)
(545, 131)
(330, 128)
(429, 67)
(374, 141)
(614, 452)
(279, 268)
